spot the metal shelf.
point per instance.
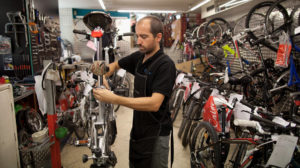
(25, 94)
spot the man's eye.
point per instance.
(142, 36)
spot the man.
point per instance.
(155, 75)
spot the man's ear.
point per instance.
(159, 37)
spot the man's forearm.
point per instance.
(140, 103)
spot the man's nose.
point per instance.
(138, 41)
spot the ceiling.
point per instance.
(114, 5)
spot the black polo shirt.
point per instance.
(160, 80)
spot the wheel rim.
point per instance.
(205, 158)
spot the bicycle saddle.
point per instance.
(95, 19)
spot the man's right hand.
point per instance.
(99, 68)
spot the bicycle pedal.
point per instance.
(81, 143)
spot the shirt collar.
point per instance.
(154, 57)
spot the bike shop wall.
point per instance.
(6, 6)
(47, 8)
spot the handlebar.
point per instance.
(244, 102)
(264, 120)
(83, 32)
(128, 34)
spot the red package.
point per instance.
(284, 51)
(210, 114)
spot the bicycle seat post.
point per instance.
(97, 34)
(223, 114)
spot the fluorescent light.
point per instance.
(231, 3)
(146, 11)
(102, 4)
(227, 3)
(199, 5)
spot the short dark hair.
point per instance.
(156, 26)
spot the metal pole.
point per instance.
(52, 118)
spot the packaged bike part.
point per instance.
(284, 51)
(210, 114)
(5, 45)
(210, 111)
(283, 150)
(5, 51)
(121, 73)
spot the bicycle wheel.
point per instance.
(79, 129)
(116, 107)
(112, 132)
(175, 102)
(282, 104)
(185, 119)
(201, 34)
(33, 121)
(127, 84)
(254, 20)
(240, 25)
(256, 92)
(215, 29)
(195, 116)
(186, 132)
(295, 111)
(275, 22)
(205, 137)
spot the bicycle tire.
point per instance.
(117, 107)
(112, 132)
(185, 119)
(201, 34)
(218, 33)
(80, 131)
(193, 128)
(287, 25)
(129, 85)
(174, 110)
(186, 133)
(34, 121)
(205, 134)
(249, 19)
(196, 115)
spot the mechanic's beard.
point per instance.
(145, 50)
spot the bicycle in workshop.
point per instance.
(120, 82)
(102, 114)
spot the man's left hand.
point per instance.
(104, 95)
